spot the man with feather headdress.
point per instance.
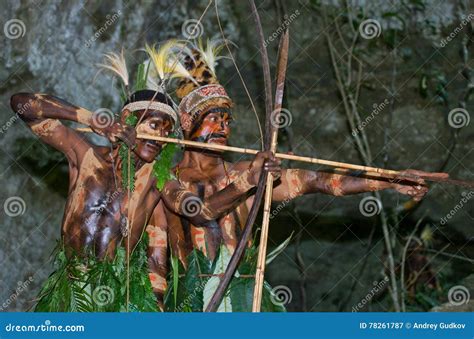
(205, 115)
(113, 191)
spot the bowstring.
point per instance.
(240, 75)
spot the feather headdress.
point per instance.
(204, 90)
(116, 64)
(210, 52)
(148, 88)
(166, 61)
(201, 65)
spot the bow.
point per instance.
(265, 179)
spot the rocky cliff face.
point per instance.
(53, 47)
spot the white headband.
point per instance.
(152, 105)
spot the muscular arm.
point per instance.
(296, 182)
(35, 106)
(42, 114)
(181, 201)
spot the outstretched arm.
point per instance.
(341, 182)
(180, 200)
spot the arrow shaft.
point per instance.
(365, 170)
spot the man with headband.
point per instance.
(205, 114)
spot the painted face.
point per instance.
(213, 128)
(155, 123)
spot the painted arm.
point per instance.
(43, 112)
(181, 201)
(341, 182)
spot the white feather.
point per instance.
(116, 64)
(210, 53)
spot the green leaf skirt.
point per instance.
(86, 284)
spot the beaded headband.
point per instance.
(153, 105)
(194, 99)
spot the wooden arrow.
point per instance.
(359, 170)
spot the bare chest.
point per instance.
(97, 198)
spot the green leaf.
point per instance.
(163, 165)
(220, 265)
(194, 282)
(277, 251)
(123, 94)
(131, 120)
(140, 82)
(71, 286)
(123, 153)
(175, 294)
(142, 298)
(241, 293)
(175, 270)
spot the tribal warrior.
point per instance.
(100, 212)
(205, 114)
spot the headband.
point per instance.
(153, 105)
(191, 102)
